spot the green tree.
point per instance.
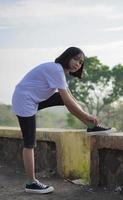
(112, 115)
(117, 82)
(99, 87)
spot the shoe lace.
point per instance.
(41, 184)
(100, 126)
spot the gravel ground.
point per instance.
(12, 187)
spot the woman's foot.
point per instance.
(98, 130)
(38, 187)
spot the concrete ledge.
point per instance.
(72, 153)
(72, 148)
(107, 160)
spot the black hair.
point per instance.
(65, 57)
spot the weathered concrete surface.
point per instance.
(72, 149)
(12, 185)
(107, 160)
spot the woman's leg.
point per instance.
(28, 128)
(29, 163)
(54, 100)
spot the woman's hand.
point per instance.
(90, 120)
(73, 106)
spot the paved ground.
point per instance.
(12, 188)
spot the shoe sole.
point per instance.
(44, 191)
(107, 132)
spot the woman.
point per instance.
(42, 87)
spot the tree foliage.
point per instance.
(100, 85)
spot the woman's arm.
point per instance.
(72, 96)
(75, 108)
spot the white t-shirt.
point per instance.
(36, 86)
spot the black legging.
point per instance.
(28, 124)
(54, 100)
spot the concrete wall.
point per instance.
(67, 150)
(106, 166)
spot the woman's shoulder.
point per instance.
(52, 66)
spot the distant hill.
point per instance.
(49, 117)
(7, 118)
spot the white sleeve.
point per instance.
(56, 77)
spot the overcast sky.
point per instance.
(36, 31)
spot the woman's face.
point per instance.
(76, 62)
